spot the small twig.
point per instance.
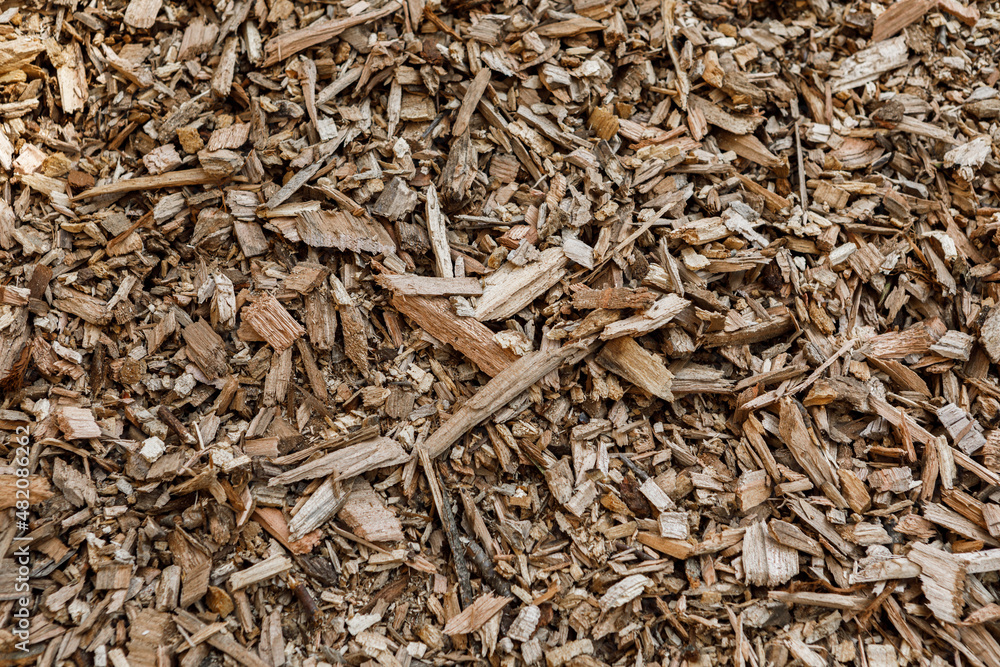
(640, 473)
(490, 576)
(801, 168)
(450, 529)
(304, 596)
(175, 424)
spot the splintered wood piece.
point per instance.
(438, 234)
(470, 101)
(502, 389)
(512, 287)
(749, 147)
(656, 317)
(476, 615)
(225, 642)
(825, 600)
(562, 655)
(954, 345)
(955, 522)
(901, 14)
(612, 298)
(355, 340)
(754, 333)
(467, 335)
(914, 340)
(991, 515)
(196, 565)
(718, 116)
(173, 179)
(285, 45)
(321, 506)
(797, 438)
(142, 13)
(752, 489)
(656, 496)
(396, 201)
(222, 78)
(78, 423)
(348, 462)
(267, 568)
(341, 230)
(965, 431)
(367, 516)
(791, 536)
(854, 490)
(14, 296)
(816, 520)
(407, 285)
(77, 487)
(989, 334)
(305, 277)
(39, 490)
(86, 307)
(321, 318)
(628, 359)
(149, 631)
(524, 625)
(901, 375)
(70, 73)
(274, 324)
(674, 525)
(624, 591)
(293, 184)
(942, 577)
(205, 347)
(273, 521)
(967, 14)
(279, 377)
(868, 64)
(316, 378)
(766, 562)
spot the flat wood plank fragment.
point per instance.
(195, 566)
(766, 562)
(470, 101)
(407, 285)
(71, 74)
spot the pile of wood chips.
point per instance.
(410, 332)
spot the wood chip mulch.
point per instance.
(631, 333)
